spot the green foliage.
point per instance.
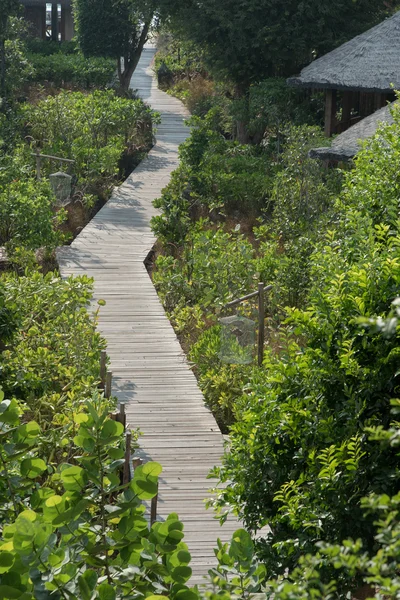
(48, 47)
(300, 456)
(92, 129)
(81, 532)
(15, 67)
(238, 574)
(72, 69)
(208, 265)
(114, 28)
(216, 178)
(70, 528)
(249, 42)
(26, 215)
(221, 384)
(272, 104)
(51, 356)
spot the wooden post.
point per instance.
(153, 510)
(346, 110)
(127, 465)
(107, 393)
(137, 462)
(54, 22)
(38, 159)
(62, 23)
(330, 112)
(260, 324)
(103, 369)
(121, 416)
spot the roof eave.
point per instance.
(319, 85)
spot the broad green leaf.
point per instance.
(9, 412)
(73, 478)
(145, 481)
(111, 429)
(6, 561)
(181, 574)
(10, 593)
(106, 592)
(33, 467)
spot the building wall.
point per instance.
(36, 17)
(69, 27)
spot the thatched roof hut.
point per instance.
(370, 62)
(346, 145)
(358, 76)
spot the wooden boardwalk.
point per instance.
(150, 372)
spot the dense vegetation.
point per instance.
(314, 434)
(303, 457)
(64, 65)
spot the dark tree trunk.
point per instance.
(131, 62)
(242, 124)
(2, 68)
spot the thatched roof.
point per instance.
(369, 62)
(346, 145)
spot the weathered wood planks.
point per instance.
(150, 371)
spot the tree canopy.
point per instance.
(249, 41)
(114, 28)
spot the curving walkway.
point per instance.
(150, 372)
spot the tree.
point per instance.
(246, 42)
(9, 8)
(114, 28)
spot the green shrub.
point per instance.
(72, 69)
(93, 130)
(51, 356)
(221, 384)
(300, 456)
(216, 177)
(27, 216)
(48, 47)
(17, 68)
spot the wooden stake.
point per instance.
(107, 393)
(330, 112)
(103, 369)
(261, 316)
(121, 417)
(38, 161)
(127, 468)
(153, 510)
(137, 462)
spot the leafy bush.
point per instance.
(26, 215)
(52, 356)
(48, 47)
(72, 69)
(81, 532)
(217, 178)
(93, 130)
(300, 456)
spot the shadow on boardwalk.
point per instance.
(150, 371)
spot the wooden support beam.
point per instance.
(103, 369)
(127, 465)
(153, 509)
(62, 23)
(107, 393)
(330, 112)
(261, 317)
(54, 22)
(346, 109)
